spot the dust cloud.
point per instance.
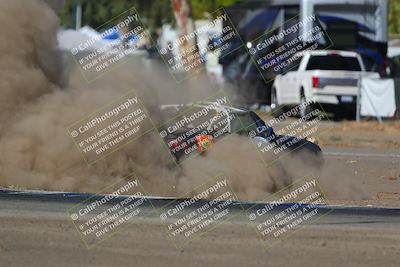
(37, 106)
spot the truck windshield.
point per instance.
(333, 63)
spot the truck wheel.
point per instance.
(397, 114)
(304, 108)
(276, 109)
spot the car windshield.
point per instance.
(333, 62)
(197, 117)
(293, 66)
(242, 123)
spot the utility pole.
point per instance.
(77, 11)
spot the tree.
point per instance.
(200, 8)
(154, 13)
(96, 13)
(394, 17)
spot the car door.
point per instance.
(289, 82)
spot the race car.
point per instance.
(200, 125)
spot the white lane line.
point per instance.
(362, 154)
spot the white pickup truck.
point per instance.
(327, 77)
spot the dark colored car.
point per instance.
(221, 120)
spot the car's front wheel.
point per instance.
(276, 109)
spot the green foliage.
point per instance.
(394, 17)
(154, 13)
(96, 12)
(157, 12)
(203, 8)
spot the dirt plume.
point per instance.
(36, 107)
(36, 149)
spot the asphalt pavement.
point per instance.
(37, 231)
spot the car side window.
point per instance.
(293, 66)
(241, 123)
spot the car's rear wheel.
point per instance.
(397, 114)
(304, 107)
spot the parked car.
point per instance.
(326, 77)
